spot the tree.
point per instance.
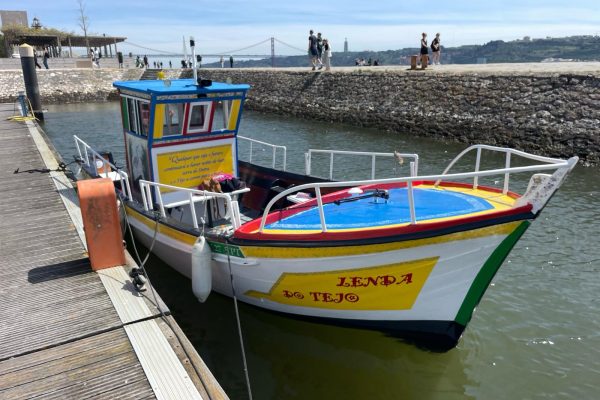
(84, 23)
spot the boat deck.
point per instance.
(66, 331)
(357, 212)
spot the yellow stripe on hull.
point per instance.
(317, 252)
(163, 229)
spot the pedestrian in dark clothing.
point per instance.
(146, 61)
(435, 49)
(424, 51)
(35, 58)
(170, 64)
(230, 61)
(320, 50)
(46, 57)
(313, 51)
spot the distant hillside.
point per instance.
(580, 48)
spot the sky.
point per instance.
(221, 26)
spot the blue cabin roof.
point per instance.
(178, 86)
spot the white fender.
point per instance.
(201, 269)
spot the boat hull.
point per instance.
(424, 289)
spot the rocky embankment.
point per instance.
(547, 110)
(555, 114)
(67, 85)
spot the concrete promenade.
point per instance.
(68, 332)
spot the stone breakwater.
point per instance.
(67, 85)
(549, 114)
(554, 113)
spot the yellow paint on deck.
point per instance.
(384, 287)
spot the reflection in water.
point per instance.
(536, 332)
(294, 359)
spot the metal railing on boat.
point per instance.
(309, 155)
(101, 166)
(549, 164)
(273, 147)
(190, 197)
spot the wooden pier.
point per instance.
(66, 331)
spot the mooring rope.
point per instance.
(163, 316)
(239, 326)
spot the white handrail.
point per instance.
(108, 166)
(553, 164)
(274, 148)
(373, 155)
(194, 196)
(507, 151)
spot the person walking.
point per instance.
(424, 51)
(35, 59)
(230, 61)
(435, 50)
(46, 57)
(313, 51)
(320, 50)
(327, 54)
(145, 61)
(222, 62)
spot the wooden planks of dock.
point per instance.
(62, 335)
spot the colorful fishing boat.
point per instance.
(410, 256)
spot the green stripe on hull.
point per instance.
(487, 273)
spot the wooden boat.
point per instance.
(410, 256)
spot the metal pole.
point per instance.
(30, 78)
(192, 47)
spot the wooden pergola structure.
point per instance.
(55, 44)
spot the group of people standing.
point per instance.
(319, 51)
(436, 49)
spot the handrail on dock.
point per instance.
(548, 164)
(308, 159)
(273, 147)
(88, 152)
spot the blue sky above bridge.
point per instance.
(221, 26)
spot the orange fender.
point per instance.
(100, 215)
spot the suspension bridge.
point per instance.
(241, 52)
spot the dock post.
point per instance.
(23, 104)
(30, 78)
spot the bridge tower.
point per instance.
(273, 52)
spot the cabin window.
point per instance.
(221, 117)
(144, 116)
(131, 110)
(199, 117)
(173, 116)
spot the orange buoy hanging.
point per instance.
(100, 215)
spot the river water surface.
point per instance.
(535, 334)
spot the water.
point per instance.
(535, 334)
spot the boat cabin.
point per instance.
(179, 133)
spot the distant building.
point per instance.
(13, 18)
(345, 45)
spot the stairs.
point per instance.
(150, 74)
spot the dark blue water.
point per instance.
(535, 334)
